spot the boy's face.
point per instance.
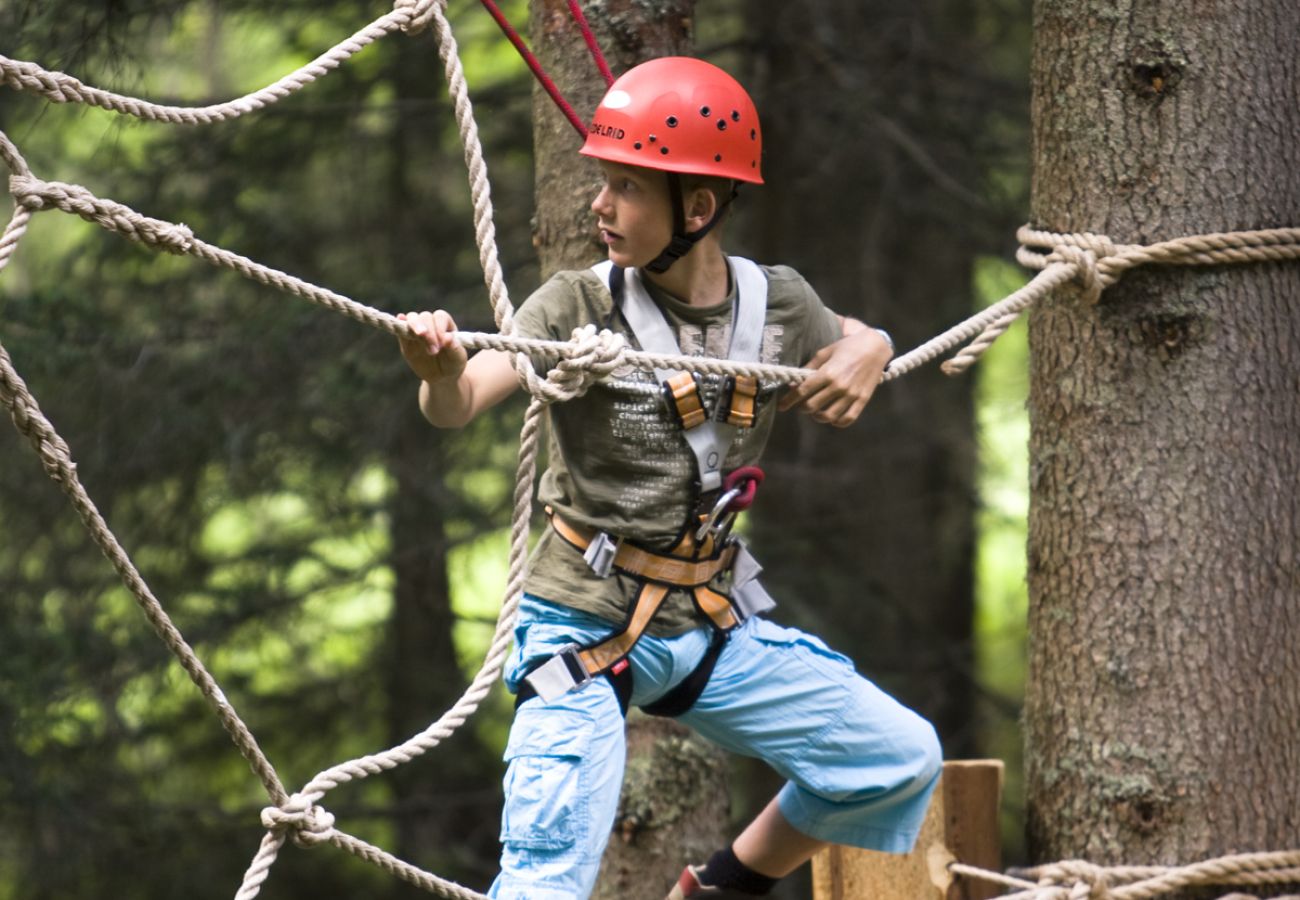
(634, 213)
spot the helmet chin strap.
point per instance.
(682, 242)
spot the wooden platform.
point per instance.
(962, 824)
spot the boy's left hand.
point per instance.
(847, 374)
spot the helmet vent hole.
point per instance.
(705, 111)
(636, 146)
(722, 124)
(653, 138)
(753, 135)
(663, 150)
(717, 157)
(735, 115)
(672, 121)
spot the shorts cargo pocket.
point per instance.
(546, 796)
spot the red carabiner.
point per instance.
(747, 478)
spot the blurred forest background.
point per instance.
(336, 562)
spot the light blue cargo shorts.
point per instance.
(860, 766)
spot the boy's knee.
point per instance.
(927, 752)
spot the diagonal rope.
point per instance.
(55, 456)
(1098, 263)
(574, 366)
(407, 15)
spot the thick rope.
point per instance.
(1079, 880)
(1098, 263)
(62, 88)
(578, 363)
(55, 456)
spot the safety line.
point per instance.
(575, 10)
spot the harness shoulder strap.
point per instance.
(711, 439)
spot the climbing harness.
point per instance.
(704, 549)
(1092, 259)
(708, 437)
(698, 557)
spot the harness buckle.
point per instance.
(682, 395)
(560, 674)
(600, 554)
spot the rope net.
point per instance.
(574, 365)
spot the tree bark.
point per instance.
(629, 32)
(1164, 550)
(673, 809)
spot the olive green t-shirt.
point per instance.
(617, 461)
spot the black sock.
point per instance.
(724, 870)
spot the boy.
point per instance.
(636, 593)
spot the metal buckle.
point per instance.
(600, 554)
(560, 674)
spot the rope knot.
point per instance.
(419, 12)
(307, 823)
(593, 355)
(1082, 880)
(1085, 262)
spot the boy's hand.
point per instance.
(433, 352)
(847, 374)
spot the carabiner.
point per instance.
(720, 509)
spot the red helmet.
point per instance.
(678, 114)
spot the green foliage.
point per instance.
(263, 460)
(251, 451)
(1002, 599)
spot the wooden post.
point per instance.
(961, 824)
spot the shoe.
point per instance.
(688, 885)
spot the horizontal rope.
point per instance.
(1098, 263)
(1080, 880)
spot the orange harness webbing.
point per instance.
(689, 566)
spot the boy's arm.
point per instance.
(847, 374)
(453, 388)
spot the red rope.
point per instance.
(576, 11)
(536, 66)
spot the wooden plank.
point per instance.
(972, 797)
(846, 873)
(961, 823)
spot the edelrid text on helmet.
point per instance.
(678, 114)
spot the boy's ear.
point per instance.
(701, 206)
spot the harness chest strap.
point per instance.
(709, 439)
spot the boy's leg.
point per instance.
(860, 765)
(564, 768)
(562, 784)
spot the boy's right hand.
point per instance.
(432, 352)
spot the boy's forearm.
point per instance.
(454, 401)
(447, 402)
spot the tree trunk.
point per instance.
(671, 812)
(1164, 547)
(629, 32)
